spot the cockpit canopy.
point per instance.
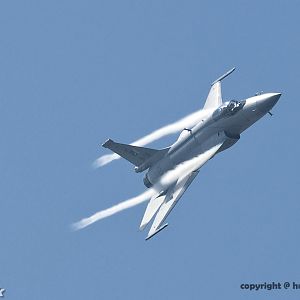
(227, 109)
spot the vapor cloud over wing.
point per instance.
(178, 173)
(114, 209)
(188, 121)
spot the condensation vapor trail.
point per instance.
(188, 121)
(114, 209)
(179, 173)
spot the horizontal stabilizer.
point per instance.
(134, 154)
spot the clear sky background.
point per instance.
(74, 73)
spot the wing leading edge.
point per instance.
(163, 204)
(170, 203)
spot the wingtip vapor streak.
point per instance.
(219, 128)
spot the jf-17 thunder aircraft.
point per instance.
(218, 129)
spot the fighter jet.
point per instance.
(219, 128)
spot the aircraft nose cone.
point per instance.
(267, 101)
(273, 98)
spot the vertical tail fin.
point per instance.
(214, 98)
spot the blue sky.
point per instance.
(72, 74)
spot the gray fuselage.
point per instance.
(224, 124)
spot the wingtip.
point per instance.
(142, 227)
(156, 232)
(107, 143)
